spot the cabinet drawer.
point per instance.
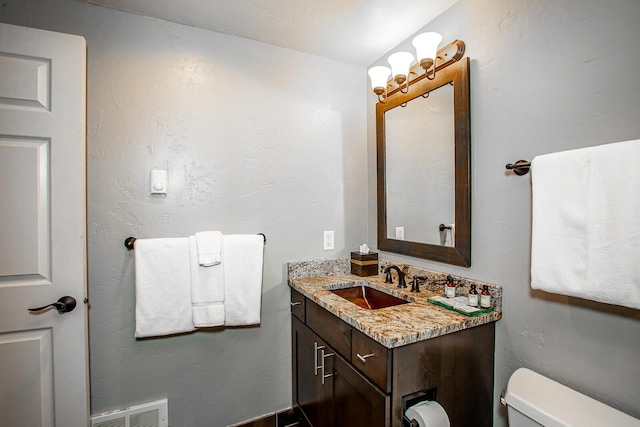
(334, 331)
(372, 359)
(297, 304)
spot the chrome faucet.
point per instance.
(389, 277)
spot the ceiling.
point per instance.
(352, 31)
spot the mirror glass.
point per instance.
(420, 169)
(424, 172)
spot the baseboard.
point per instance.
(284, 418)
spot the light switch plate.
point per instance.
(158, 181)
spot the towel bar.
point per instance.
(521, 167)
(443, 227)
(129, 241)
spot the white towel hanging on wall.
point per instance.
(163, 287)
(586, 223)
(209, 247)
(242, 260)
(207, 290)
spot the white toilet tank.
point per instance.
(534, 400)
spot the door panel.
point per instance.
(26, 352)
(25, 207)
(356, 401)
(26, 82)
(43, 355)
(313, 397)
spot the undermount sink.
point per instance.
(369, 298)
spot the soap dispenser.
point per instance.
(473, 296)
(485, 297)
(450, 288)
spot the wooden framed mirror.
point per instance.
(424, 168)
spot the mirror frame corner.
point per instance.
(460, 254)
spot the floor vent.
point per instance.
(152, 414)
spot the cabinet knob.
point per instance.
(365, 357)
(293, 304)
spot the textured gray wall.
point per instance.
(546, 76)
(255, 139)
(254, 145)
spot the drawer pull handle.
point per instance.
(317, 347)
(365, 357)
(293, 304)
(323, 374)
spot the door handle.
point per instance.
(324, 356)
(316, 347)
(365, 357)
(63, 305)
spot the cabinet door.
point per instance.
(309, 393)
(356, 401)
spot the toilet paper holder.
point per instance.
(413, 399)
(410, 423)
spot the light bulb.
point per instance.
(379, 76)
(426, 45)
(400, 64)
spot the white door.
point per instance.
(43, 355)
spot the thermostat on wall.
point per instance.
(158, 181)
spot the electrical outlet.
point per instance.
(329, 241)
(400, 233)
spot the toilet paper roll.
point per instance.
(428, 414)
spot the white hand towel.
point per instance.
(207, 291)
(209, 247)
(163, 287)
(586, 223)
(242, 262)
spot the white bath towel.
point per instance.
(163, 287)
(207, 290)
(209, 247)
(242, 262)
(586, 223)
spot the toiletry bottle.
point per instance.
(485, 297)
(450, 288)
(473, 296)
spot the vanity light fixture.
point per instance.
(426, 45)
(379, 77)
(428, 57)
(400, 64)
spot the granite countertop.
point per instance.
(391, 326)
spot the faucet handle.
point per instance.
(389, 277)
(415, 286)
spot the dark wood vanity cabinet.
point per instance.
(341, 377)
(328, 390)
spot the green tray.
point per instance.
(472, 311)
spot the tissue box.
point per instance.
(364, 264)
